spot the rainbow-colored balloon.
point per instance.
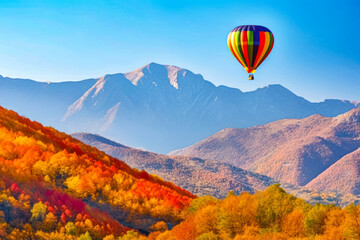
(250, 45)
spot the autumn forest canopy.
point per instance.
(53, 186)
(40, 166)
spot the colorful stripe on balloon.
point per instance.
(250, 45)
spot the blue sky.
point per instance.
(316, 51)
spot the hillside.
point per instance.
(342, 176)
(201, 177)
(291, 150)
(156, 107)
(43, 165)
(35, 211)
(207, 177)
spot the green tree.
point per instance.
(315, 220)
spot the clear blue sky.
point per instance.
(316, 52)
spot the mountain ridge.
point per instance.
(289, 150)
(157, 107)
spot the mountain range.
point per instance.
(156, 107)
(317, 152)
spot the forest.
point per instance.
(269, 214)
(55, 187)
(49, 170)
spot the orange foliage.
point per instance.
(63, 172)
(30, 151)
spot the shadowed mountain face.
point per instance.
(316, 150)
(157, 107)
(343, 176)
(201, 177)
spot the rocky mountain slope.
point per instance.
(342, 176)
(319, 151)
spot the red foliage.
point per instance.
(60, 199)
(63, 218)
(77, 149)
(14, 188)
(47, 160)
(144, 175)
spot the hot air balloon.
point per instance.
(250, 45)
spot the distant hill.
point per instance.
(156, 107)
(201, 177)
(74, 178)
(343, 176)
(317, 152)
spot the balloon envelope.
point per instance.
(250, 45)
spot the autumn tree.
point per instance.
(85, 236)
(292, 224)
(160, 226)
(70, 228)
(38, 211)
(352, 222)
(273, 204)
(334, 222)
(50, 222)
(236, 213)
(315, 220)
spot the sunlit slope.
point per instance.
(31, 154)
(292, 150)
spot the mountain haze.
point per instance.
(44, 101)
(319, 151)
(156, 107)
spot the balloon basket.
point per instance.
(251, 76)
